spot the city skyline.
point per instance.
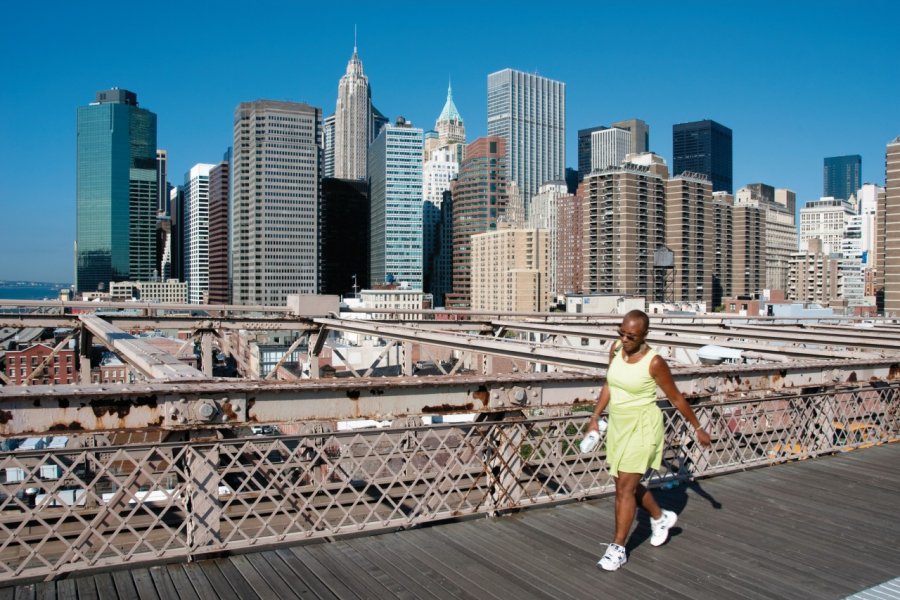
(767, 88)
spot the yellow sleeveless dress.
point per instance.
(634, 440)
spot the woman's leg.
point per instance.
(646, 500)
(626, 504)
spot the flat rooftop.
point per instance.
(820, 528)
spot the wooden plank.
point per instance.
(361, 562)
(183, 583)
(410, 565)
(125, 587)
(195, 577)
(164, 585)
(282, 588)
(332, 582)
(251, 577)
(293, 562)
(225, 578)
(281, 570)
(45, 589)
(87, 588)
(25, 592)
(367, 550)
(361, 582)
(144, 583)
(66, 589)
(7, 593)
(208, 581)
(106, 588)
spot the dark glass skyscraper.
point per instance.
(584, 150)
(703, 147)
(842, 176)
(116, 191)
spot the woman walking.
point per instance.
(634, 439)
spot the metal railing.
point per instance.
(74, 509)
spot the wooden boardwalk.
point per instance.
(823, 528)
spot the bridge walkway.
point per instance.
(820, 528)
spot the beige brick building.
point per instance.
(748, 250)
(510, 270)
(889, 230)
(723, 240)
(624, 222)
(690, 237)
(813, 275)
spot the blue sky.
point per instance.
(795, 81)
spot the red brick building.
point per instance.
(59, 369)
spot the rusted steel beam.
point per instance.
(143, 356)
(175, 406)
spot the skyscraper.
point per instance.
(544, 214)
(510, 270)
(343, 236)
(450, 129)
(529, 112)
(609, 148)
(395, 188)
(219, 288)
(691, 237)
(479, 200)
(275, 201)
(781, 229)
(116, 194)
(584, 149)
(889, 229)
(624, 223)
(841, 176)
(640, 134)
(703, 147)
(196, 231)
(352, 122)
(328, 147)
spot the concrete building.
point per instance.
(544, 214)
(395, 188)
(852, 279)
(510, 270)
(328, 146)
(569, 243)
(352, 122)
(814, 274)
(196, 232)
(439, 276)
(219, 284)
(889, 229)
(479, 201)
(624, 223)
(690, 235)
(116, 195)
(396, 298)
(781, 229)
(640, 134)
(275, 201)
(825, 219)
(60, 369)
(529, 112)
(609, 147)
(170, 291)
(704, 147)
(748, 250)
(437, 173)
(841, 176)
(723, 247)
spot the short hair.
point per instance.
(638, 315)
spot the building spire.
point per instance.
(354, 38)
(450, 113)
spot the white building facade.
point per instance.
(609, 147)
(196, 231)
(352, 122)
(825, 219)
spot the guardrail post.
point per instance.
(204, 509)
(504, 465)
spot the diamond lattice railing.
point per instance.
(76, 508)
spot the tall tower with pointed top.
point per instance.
(450, 129)
(352, 121)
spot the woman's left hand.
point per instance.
(703, 438)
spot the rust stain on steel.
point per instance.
(852, 377)
(5, 417)
(894, 372)
(482, 394)
(120, 408)
(73, 426)
(63, 403)
(447, 408)
(353, 394)
(229, 411)
(376, 392)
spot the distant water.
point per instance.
(30, 291)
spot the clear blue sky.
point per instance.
(795, 81)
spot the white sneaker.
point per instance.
(660, 527)
(614, 558)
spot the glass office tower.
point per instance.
(842, 176)
(703, 147)
(116, 191)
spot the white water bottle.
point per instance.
(590, 440)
